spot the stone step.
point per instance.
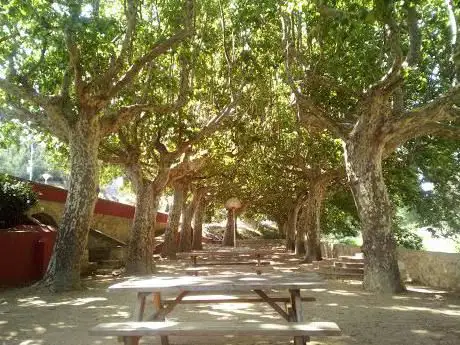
(88, 269)
(108, 271)
(113, 264)
(352, 276)
(325, 262)
(351, 258)
(339, 270)
(345, 264)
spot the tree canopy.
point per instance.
(349, 108)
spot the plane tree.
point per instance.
(404, 86)
(65, 68)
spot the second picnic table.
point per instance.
(256, 254)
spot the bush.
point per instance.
(16, 198)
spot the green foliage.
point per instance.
(9, 134)
(405, 226)
(15, 159)
(427, 160)
(261, 155)
(347, 240)
(269, 232)
(16, 198)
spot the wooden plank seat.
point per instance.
(203, 298)
(132, 331)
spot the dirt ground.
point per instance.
(422, 316)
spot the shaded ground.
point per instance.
(421, 316)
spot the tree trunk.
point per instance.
(292, 224)
(63, 271)
(170, 245)
(363, 159)
(313, 219)
(185, 244)
(142, 237)
(301, 232)
(281, 225)
(197, 243)
(230, 231)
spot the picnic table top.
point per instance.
(223, 283)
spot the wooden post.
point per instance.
(137, 316)
(157, 307)
(234, 227)
(297, 314)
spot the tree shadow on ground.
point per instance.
(420, 316)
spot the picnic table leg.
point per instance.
(297, 314)
(194, 260)
(137, 316)
(258, 270)
(157, 307)
(194, 264)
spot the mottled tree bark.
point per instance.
(170, 245)
(281, 225)
(301, 232)
(142, 237)
(292, 224)
(197, 243)
(230, 230)
(63, 272)
(141, 243)
(363, 158)
(185, 243)
(313, 219)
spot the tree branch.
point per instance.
(186, 168)
(24, 93)
(75, 62)
(39, 119)
(439, 116)
(309, 112)
(158, 49)
(392, 79)
(117, 64)
(211, 127)
(415, 35)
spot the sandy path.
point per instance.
(421, 316)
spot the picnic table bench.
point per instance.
(183, 286)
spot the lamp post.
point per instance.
(231, 205)
(46, 177)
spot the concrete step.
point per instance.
(345, 264)
(112, 264)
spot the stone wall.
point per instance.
(117, 227)
(429, 268)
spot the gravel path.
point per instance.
(422, 316)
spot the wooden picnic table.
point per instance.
(288, 283)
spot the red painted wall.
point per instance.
(106, 207)
(25, 254)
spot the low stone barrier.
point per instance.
(435, 269)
